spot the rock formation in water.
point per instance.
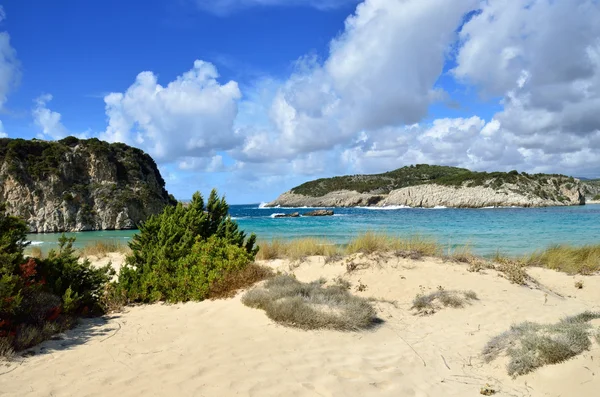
(437, 186)
(78, 185)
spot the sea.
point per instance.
(510, 231)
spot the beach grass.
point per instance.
(311, 305)
(531, 345)
(296, 249)
(430, 303)
(567, 258)
(101, 249)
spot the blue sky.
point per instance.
(256, 96)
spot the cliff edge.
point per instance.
(79, 185)
(434, 186)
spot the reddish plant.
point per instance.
(28, 271)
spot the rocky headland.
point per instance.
(79, 185)
(437, 186)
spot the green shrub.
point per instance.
(39, 297)
(181, 252)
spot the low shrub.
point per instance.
(311, 305)
(430, 303)
(182, 252)
(532, 345)
(40, 297)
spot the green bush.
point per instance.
(181, 252)
(40, 297)
(78, 283)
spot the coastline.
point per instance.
(156, 347)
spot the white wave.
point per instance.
(36, 242)
(389, 207)
(440, 207)
(263, 206)
(275, 215)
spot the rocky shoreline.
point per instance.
(432, 195)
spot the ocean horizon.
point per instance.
(511, 231)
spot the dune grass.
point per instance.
(366, 243)
(101, 249)
(296, 249)
(567, 258)
(310, 306)
(371, 242)
(430, 303)
(531, 345)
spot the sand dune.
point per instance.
(222, 348)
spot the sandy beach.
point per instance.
(223, 348)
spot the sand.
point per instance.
(222, 348)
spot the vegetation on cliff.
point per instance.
(421, 174)
(88, 183)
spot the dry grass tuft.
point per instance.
(531, 345)
(233, 282)
(35, 252)
(568, 259)
(6, 349)
(311, 305)
(430, 303)
(371, 242)
(296, 249)
(101, 249)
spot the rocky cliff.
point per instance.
(433, 186)
(79, 185)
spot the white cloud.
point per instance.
(543, 58)
(225, 7)
(381, 71)
(48, 120)
(3, 133)
(9, 64)
(190, 117)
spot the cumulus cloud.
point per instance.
(225, 7)
(48, 120)
(381, 71)
(191, 116)
(9, 64)
(543, 59)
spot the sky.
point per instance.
(254, 97)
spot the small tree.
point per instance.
(181, 252)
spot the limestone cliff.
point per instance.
(433, 186)
(79, 185)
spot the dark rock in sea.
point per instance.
(292, 215)
(319, 213)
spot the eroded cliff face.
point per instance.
(552, 192)
(79, 185)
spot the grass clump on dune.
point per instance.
(430, 303)
(101, 249)
(371, 242)
(568, 259)
(532, 345)
(296, 249)
(311, 305)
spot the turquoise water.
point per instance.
(511, 230)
